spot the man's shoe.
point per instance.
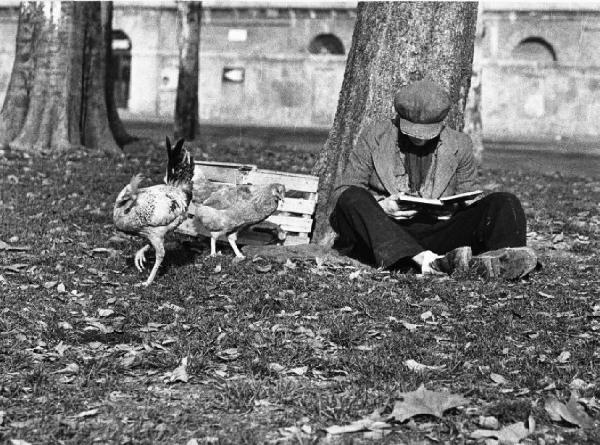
(457, 259)
(510, 263)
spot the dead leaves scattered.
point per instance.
(508, 435)
(421, 402)
(572, 412)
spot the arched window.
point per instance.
(326, 44)
(534, 49)
(121, 66)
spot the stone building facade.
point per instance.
(281, 63)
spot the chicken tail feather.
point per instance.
(129, 195)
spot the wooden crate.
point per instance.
(294, 216)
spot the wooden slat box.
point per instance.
(295, 213)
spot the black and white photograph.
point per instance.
(300, 222)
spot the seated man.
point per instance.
(416, 154)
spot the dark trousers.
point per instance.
(365, 231)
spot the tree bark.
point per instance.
(473, 110)
(186, 103)
(394, 44)
(16, 102)
(66, 97)
(116, 124)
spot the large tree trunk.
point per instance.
(186, 103)
(473, 120)
(66, 96)
(394, 43)
(16, 102)
(116, 124)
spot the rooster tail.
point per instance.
(180, 167)
(128, 197)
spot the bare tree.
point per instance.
(116, 124)
(56, 99)
(394, 43)
(189, 15)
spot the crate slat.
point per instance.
(292, 223)
(301, 183)
(297, 205)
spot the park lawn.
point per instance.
(278, 352)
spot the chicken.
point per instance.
(227, 209)
(152, 212)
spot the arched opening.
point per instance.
(121, 67)
(326, 44)
(534, 49)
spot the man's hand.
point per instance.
(393, 209)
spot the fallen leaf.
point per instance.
(373, 421)
(276, 367)
(354, 275)
(488, 422)
(64, 325)
(61, 287)
(262, 268)
(572, 412)
(508, 435)
(97, 326)
(300, 370)
(61, 348)
(413, 365)
(228, 354)
(2, 414)
(426, 315)
(71, 368)
(19, 442)
(6, 246)
(564, 357)
(105, 312)
(497, 378)
(89, 413)
(423, 401)
(179, 374)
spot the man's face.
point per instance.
(418, 141)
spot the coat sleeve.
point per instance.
(466, 171)
(360, 166)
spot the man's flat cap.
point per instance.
(422, 106)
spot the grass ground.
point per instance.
(279, 352)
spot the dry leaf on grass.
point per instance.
(71, 368)
(6, 246)
(373, 421)
(497, 378)
(90, 413)
(179, 374)
(423, 401)
(413, 365)
(572, 412)
(509, 435)
(19, 442)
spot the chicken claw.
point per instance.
(140, 258)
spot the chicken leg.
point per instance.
(159, 250)
(232, 237)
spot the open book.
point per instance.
(441, 202)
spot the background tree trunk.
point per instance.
(394, 44)
(16, 102)
(473, 121)
(67, 104)
(116, 124)
(186, 103)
